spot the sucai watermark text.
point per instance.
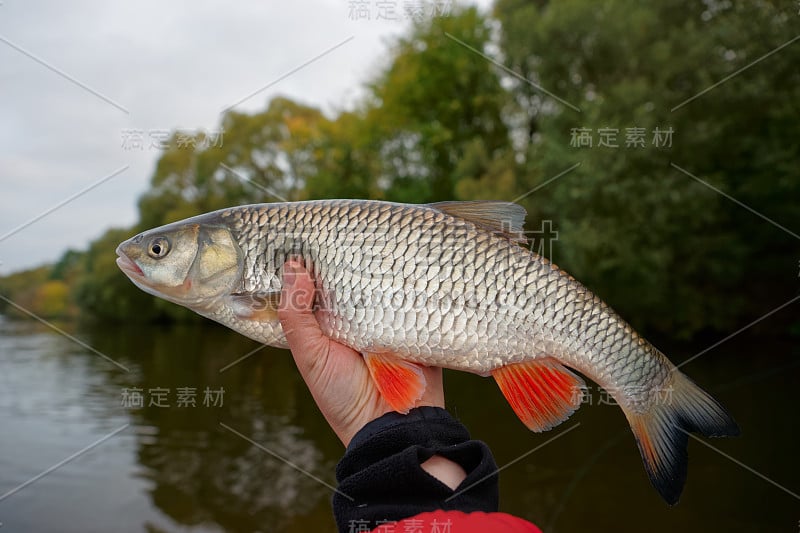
(631, 138)
(133, 139)
(409, 525)
(408, 300)
(183, 397)
(397, 10)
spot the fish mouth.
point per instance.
(127, 265)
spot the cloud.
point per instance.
(170, 65)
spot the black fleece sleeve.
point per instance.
(380, 478)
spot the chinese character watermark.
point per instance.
(410, 525)
(542, 239)
(184, 397)
(213, 398)
(608, 396)
(132, 398)
(663, 138)
(358, 526)
(156, 139)
(385, 526)
(397, 10)
(581, 138)
(440, 527)
(634, 137)
(413, 525)
(608, 137)
(159, 397)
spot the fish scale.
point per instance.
(477, 264)
(445, 285)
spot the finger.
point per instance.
(434, 392)
(296, 313)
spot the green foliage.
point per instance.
(435, 100)
(669, 252)
(51, 299)
(22, 287)
(346, 160)
(440, 122)
(276, 149)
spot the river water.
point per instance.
(172, 436)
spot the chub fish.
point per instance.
(446, 284)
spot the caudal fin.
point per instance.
(662, 432)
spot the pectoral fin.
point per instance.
(260, 306)
(401, 383)
(542, 392)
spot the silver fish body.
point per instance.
(438, 289)
(444, 285)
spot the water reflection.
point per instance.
(200, 472)
(177, 468)
(195, 472)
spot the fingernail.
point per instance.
(289, 273)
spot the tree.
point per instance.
(51, 299)
(662, 247)
(648, 224)
(346, 161)
(276, 149)
(434, 100)
(21, 288)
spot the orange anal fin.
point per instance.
(401, 383)
(542, 392)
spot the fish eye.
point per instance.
(158, 248)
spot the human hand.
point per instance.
(336, 375)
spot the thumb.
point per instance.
(308, 344)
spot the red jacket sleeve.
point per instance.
(459, 522)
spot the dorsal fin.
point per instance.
(506, 218)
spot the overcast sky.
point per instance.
(76, 76)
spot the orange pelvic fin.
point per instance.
(400, 382)
(542, 392)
